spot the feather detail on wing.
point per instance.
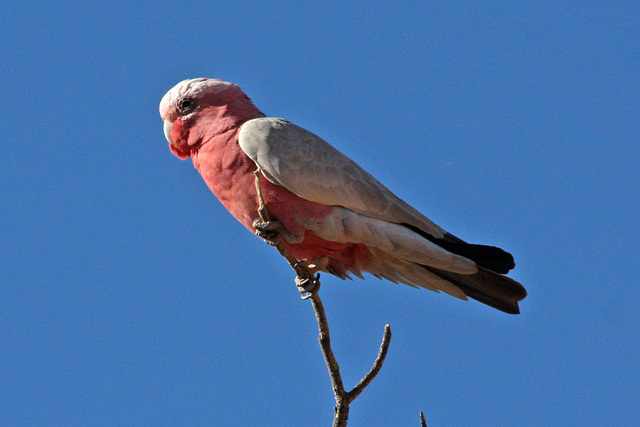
(311, 168)
(402, 256)
(406, 247)
(399, 254)
(346, 226)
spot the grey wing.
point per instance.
(311, 168)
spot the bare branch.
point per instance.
(377, 365)
(304, 275)
(341, 414)
(423, 423)
(324, 339)
(262, 209)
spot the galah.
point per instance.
(332, 213)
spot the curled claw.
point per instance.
(308, 286)
(306, 281)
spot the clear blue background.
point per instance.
(129, 296)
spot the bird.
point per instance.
(326, 209)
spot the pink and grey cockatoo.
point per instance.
(332, 213)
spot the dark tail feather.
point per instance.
(490, 257)
(492, 289)
(488, 285)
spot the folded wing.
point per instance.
(409, 247)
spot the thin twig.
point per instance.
(324, 339)
(423, 423)
(377, 365)
(343, 398)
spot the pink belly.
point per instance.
(235, 187)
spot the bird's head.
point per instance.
(195, 110)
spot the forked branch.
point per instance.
(344, 398)
(305, 276)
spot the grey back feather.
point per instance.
(311, 168)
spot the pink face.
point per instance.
(187, 103)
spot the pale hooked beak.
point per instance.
(167, 131)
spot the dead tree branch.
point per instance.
(309, 286)
(344, 398)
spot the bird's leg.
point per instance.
(272, 231)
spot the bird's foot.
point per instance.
(269, 231)
(308, 285)
(307, 279)
(273, 231)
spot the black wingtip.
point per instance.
(489, 257)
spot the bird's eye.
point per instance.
(186, 105)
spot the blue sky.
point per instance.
(129, 296)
